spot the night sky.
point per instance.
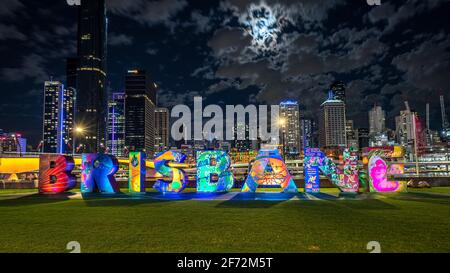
(238, 52)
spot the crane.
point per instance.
(445, 124)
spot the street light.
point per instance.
(78, 131)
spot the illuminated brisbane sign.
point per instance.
(214, 175)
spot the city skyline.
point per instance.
(224, 41)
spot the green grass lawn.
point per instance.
(413, 222)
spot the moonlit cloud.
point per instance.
(265, 24)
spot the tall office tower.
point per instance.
(307, 133)
(242, 141)
(140, 112)
(351, 135)
(58, 117)
(404, 127)
(332, 123)
(290, 127)
(338, 89)
(71, 72)
(377, 120)
(162, 128)
(91, 77)
(363, 137)
(116, 124)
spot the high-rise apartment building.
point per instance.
(290, 127)
(377, 120)
(58, 117)
(162, 129)
(116, 124)
(332, 123)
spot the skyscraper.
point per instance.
(91, 74)
(116, 124)
(377, 117)
(58, 117)
(241, 134)
(404, 127)
(290, 127)
(351, 135)
(162, 128)
(306, 133)
(338, 89)
(363, 137)
(140, 112)
(332, 123)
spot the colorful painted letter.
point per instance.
(213, 163)
(311, 170)
(136, 172)
(55, 173)
(97, 173)
(379, 169)
(178, 176)
(346, 180)
(269, 170)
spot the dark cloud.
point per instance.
(32, 67)
(148, 13)
(115, 39)
(11, 32)
(9, 7)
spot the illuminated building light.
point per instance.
(92, 69)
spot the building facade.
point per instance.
(377, 120)
(404, 127)
(307, 133)
(58, 118)
(351, 135)
(116, 125)
(162, 129)
(12, 143)
(363, 137)
(91, 75)
(290, 127)
(332, 123)
(140, 112)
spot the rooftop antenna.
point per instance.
(407, 106)
(428, 117)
